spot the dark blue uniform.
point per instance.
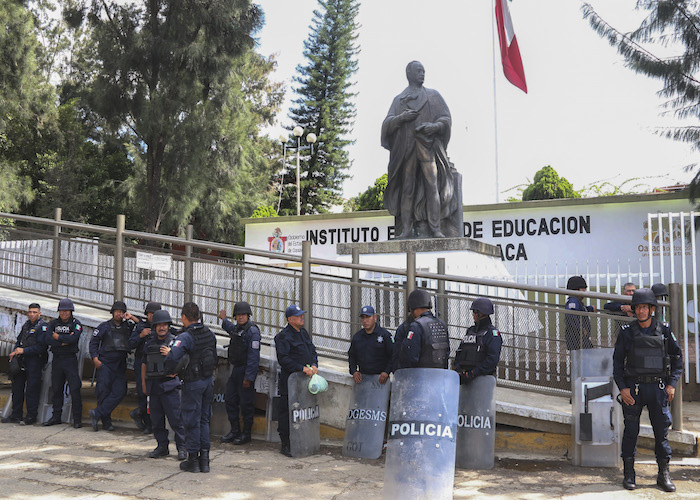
(32, 338)
(164, 392)
(64, 367)
(198, 383)
(578, 328)
(294, 351)
(649, 389)
(479, 351)
(110, 343)
(425, 348)
(244, 356)
(139, 344)
(371, 353)
(399, 337)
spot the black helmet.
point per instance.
(644, 296)
(482, 305)
(161, 316)
(418, 299)
(152, 307)
(118, 305)
(242, 308)
(576, 283)
(659, 290)
(66, 305)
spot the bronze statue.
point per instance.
(424, 189)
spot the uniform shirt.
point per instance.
(615, 307)
(68, 333)
(294, 351)
(399, 337)
(165, 384)
(623, 346)
(371, 353)
(138, 343)
(252, 341)
(577, 326)
(96, 347)
(409, 355)
(38, 330)
(492, 345)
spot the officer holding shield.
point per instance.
(139, 336)
(480, 350)
(427, 344)
(647, 365)
(371, 349)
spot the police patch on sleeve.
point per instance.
(409, 336)
(495, 333)
(95, 332)
(79, 327)
(255, 344)
(571, 305)
(177, 343)
(43, 328)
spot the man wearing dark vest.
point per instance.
(578, 326)
(244, 356)
(480, 350)
(162, 387)
(295, 353)
(63, 335)
(30, 356)
(109, 347)
(427, 343)
(138, 339)
(647, 365)
(371, 349)
(199, 343)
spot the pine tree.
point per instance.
(670, 23)
(325, 105)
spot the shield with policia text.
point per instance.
(420, 456)
(366, 418)
(304, 421)
(476, 431)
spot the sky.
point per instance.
(585, 113)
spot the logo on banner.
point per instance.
(277, 241)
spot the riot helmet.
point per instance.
(242, 308)
(152, 307)
(66, 305)
(482, 305)
(118, 305)
(659, 290)
(418, 299)
(576, 283)
(644, 296)
(161, 316)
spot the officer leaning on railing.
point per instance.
(647, 365)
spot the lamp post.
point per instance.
(311, 139)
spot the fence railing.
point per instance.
(96, 265)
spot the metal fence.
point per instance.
(96, 265)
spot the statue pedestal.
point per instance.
(420, 246)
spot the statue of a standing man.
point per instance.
(424, 189)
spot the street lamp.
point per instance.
(311, 139)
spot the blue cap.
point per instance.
(293, 310)
(367, 311)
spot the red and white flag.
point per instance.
(510, 53)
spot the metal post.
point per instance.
(441, 299)
(675, 297)
(56, 257)
(355, 294)
(306, 283)
(189, 271)
(410, 273)
(298, 181)
(119, 259)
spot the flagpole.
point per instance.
(495, 109)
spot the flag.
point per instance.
(510, 53)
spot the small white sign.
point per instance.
(144, 260)
(155, 262)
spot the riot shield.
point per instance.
(420, 457)
(476, 434)
(366, 419)
(304, 421)
(219, 424)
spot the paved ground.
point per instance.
(62, 462)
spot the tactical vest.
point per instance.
(472, 349)
(203, 355)
(29, 336)
(155, 361)
(648, 356)
(238, 348)
(435, 348)
(117, 338)
(62, 328)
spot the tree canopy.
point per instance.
(371, 199)
(547, 185)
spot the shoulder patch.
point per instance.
(571, 305)
(495, 333)
(176, 343)
(255, 344)
(410, 335)
(43, 328)
(95, 332)
(78, 327)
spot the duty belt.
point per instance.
(648, 379)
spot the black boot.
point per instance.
(204, 461)
(160, 451)
(663, 480)
(191, 464)
(243, 437)
(233, 434)
(53, 421)
(136, 416)
(629, 481)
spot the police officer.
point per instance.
(163, 389)
(371, 349)
(30, 353)
(621, 308)
(244, 356)
(295, 353)
(199, 343)
(647, 365)
(427, 343)
(63, 335)
(661, 293)
(399, 337)
(578, 327)
(138, 339)
(109, 347)
(480, 350)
